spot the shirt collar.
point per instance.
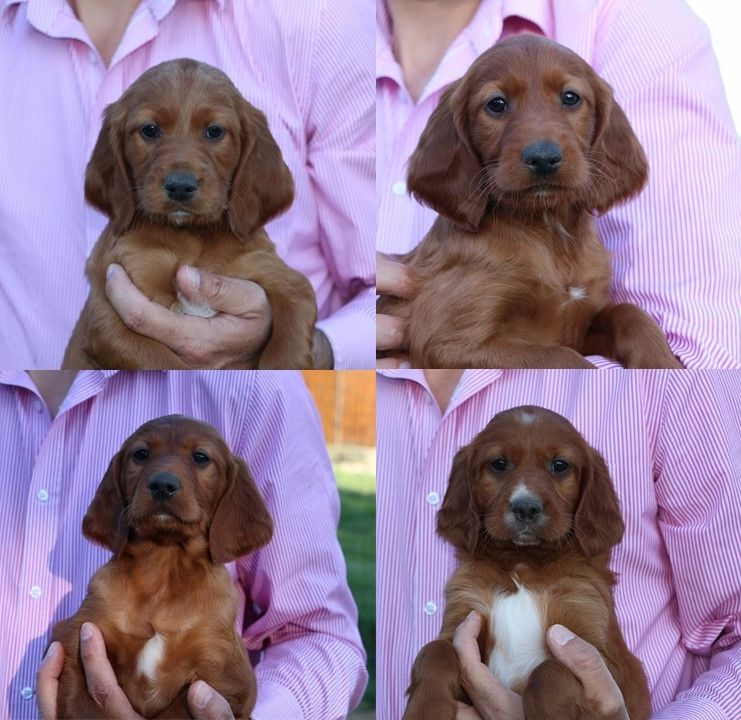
(45, 14)
(486, 27)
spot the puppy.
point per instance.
(515, 159)
(173, 506)
(188, 173)
(533, 516)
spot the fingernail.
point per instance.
(561, 635)
(405, 365)
(470, 615)
(110, 270)
(193, 277)
(203, 694)
(86, 632)
(48, 652)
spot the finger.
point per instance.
(138, 312)
(393, 277)
(206, 704)
(47, 681)
(466, 712)
(389, 332)
(102, 684)
(587, 664)
(234, 296)
(465, 639)
(393, 363)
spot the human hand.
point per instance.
(392, 278)
(234, 335)
(203, 701)
(492, 701)
(583, 659)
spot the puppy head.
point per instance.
(529, 128)
(530, 480)
(183, 147)
(174, 480)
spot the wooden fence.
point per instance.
(346, 403)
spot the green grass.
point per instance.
(357, 534)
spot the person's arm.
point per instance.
(312, 666)
(339, 107)
(698, 491)
(675, 247)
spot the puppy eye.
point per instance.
(200, 458)
(496, 105)
(150, 131)
(559, 466)
(213, 132)
(570, 98)
(141, 454)
(499, 464)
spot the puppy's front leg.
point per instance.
(629, 335)
(436, 684)
(553, 692)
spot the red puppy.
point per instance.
(515, 158)
(533, 516)
(174, 505)
(188, 173)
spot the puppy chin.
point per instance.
(180, 218)
(526, 539)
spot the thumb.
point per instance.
(233, 296)
(206, 704)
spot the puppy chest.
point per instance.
(517, 624)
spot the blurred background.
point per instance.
(723, 18)
(346, 404)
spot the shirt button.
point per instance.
(42, 495)
(27, 693)
(35, 592)
(430, 608)
(399, 188)
(433, 498)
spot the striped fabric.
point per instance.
(676, 249)
(293, 593)
(672, 441)
(288, 58)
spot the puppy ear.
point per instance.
(241, 522)
(262, 187)
(109, 185)
(598, 524)
(458, 521)
(105, 519)
(618, 165)
(444, 171)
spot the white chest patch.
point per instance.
(577, 293)
(151, 656)
(519, 636)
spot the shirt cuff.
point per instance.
(275, 702)
(602, 363)
(351, 332)
(691, 709)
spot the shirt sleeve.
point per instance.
(699, 497)
(675, 247)
(340, 109)
(299, 613)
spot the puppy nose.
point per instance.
(180, 185)
(526, 509)
(162, 485)
(542, 157)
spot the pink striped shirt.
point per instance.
(675, 249)
(672, 441)
(299, 618)
(289, 59)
